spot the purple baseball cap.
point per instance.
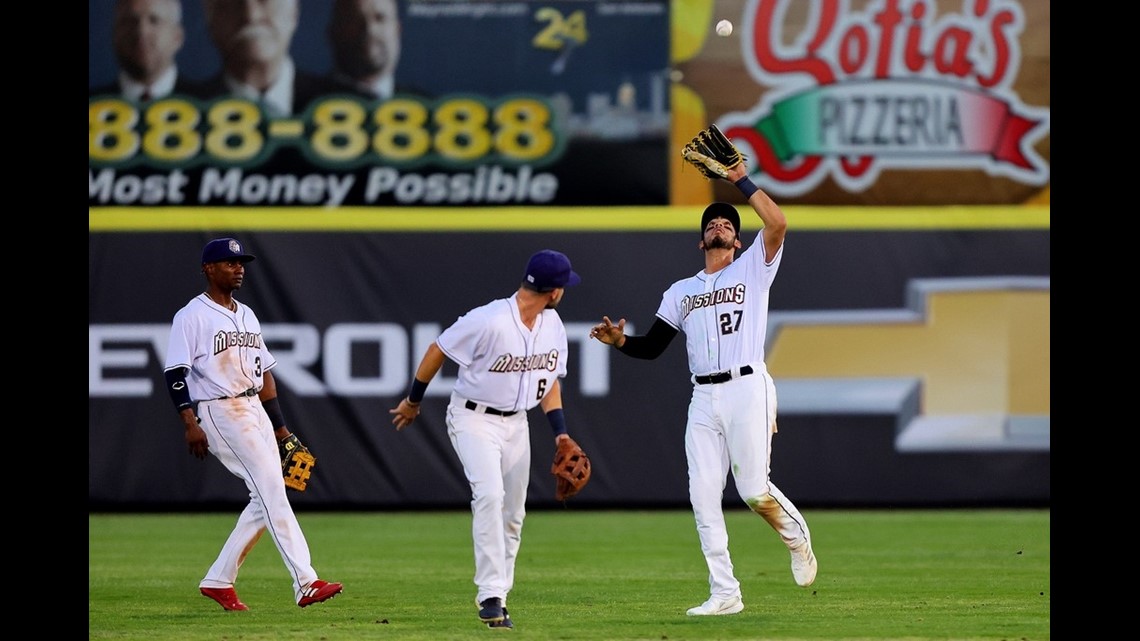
(548, 270)
(225, 249)
(720, 210)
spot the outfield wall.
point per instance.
(912, 361)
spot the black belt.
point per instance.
(722, 377)
(471, 405)
(249, 392)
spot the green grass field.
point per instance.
(912, 575)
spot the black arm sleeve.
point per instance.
(651, 345)
(176, 385)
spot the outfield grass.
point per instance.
(914, 575)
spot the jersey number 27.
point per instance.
(728, 325)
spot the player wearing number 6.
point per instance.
(723, 310)
(512, 354)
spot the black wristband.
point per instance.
(273, 409)
(557, 421)
(746, 187)
(176, 386)
(416, 394)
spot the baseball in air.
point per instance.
(724, 28)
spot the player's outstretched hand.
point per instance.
(404, 413)
(607, 332)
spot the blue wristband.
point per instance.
(746, 187)
(557, 421)
(416, 394)
(273, 408)
(176, 386)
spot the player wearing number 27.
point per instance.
(723, 311)
(217, 372)
(512, 356)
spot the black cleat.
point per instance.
(505, 624)
(491, 610)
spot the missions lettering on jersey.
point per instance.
(734, 294)
(509, 363)
(226, 340)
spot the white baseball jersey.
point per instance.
(223, 350)
(502, 363)
(730, 423)
(227, 358)
(724, 315)
(504, 367)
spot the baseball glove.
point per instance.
(296, 462)
(711, 152)
(571, 469)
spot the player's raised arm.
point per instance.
(775, 224)
(714, 155)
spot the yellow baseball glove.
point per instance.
(296, 462)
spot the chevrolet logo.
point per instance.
(965, 366)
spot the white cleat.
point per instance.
(804, 565)
(715, 606)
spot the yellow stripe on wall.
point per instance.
(501, 219)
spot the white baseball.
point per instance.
(724, 28)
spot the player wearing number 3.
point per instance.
(217, 371)
(723, 311)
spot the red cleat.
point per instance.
(319, 591)
(226, 597)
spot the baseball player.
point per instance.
(723, 311)
(218, 374)
(511, 354)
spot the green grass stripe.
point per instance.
(914, 575)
